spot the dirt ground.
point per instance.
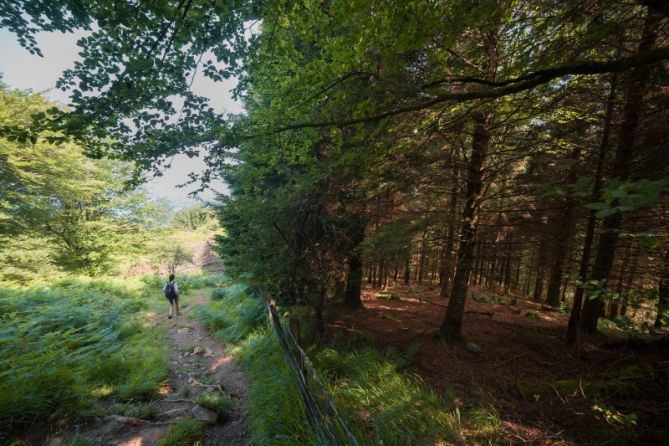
(544, 394)
(209, 369)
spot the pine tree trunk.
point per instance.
(561, 238)
(584, 266)
(451, 327)
(352, 295)
(663, 293)
(593, 309)
(407, 269)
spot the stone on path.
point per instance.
(203, 414)
(473, 348)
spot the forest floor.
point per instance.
(544, 395)
(198, 363)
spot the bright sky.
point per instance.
(20, 69)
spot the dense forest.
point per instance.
(459, 207)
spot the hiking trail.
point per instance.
(198, 363)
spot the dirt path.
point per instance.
(198, 364)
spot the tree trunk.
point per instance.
(593, 309)
(451, 327)
(663, 294)
(407, 269)
(421, 262)
(561, 239)
(584, 266)
(538, 288)
(354, 276)
(614, 307)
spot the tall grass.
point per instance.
(275, 412)
(234, 315)
(394, 408)
(63, 349)
(384, 404)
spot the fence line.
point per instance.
(326, 422)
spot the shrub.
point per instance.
(188, 282)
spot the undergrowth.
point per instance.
(275, 412)
(64, 350)
(384, 404)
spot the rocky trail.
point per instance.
(198, 364)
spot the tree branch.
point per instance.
(503, 88)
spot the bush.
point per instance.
(61, 350)
(186, 432)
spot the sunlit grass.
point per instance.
(383, 404)
(65, 349)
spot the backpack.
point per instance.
(169, 290)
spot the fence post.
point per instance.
(294, 323)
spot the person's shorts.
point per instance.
(173, 299)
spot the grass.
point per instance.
(220, 403)
(275, 412)
(185, 432)
(394, 408)
(68, 349)
(234, 316)
(384, 404)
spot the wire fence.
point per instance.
(328, 425)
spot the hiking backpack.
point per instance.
(169, 290)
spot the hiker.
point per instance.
(171, 290)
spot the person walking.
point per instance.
(171, 290)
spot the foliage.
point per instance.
(614, 417)
(63, 348)
(57, 202)
(186, 432)
(276, 413)
(187, 282)
(234, 291)
(193, 218)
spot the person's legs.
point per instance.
(169, 314)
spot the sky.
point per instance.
(20, 69)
